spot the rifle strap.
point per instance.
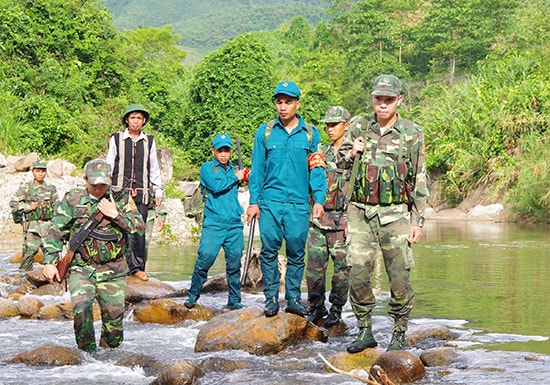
(355, 168)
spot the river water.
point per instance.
(489, 283)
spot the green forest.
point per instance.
(475, 75)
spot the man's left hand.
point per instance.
(415, 234)
(318, 211)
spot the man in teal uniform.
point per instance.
(222, 224)
(286, 166)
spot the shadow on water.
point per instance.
(486, 282)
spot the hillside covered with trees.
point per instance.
(475, 75)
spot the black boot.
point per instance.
(316, 313)
(295, 306)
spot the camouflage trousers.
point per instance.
(366, 238)
(30, 249)
(322, 245)
(107, 284)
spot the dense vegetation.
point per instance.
(475, 73)
(205, 25)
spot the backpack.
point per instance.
(18, 216)
(193, 205)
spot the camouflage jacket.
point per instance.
(338, 172)
(75, 209)
(47, 199)
(405, 139)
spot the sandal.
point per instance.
(141, 275)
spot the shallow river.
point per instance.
(489, 283)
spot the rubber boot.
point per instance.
(317, 313)
(271, 306)
(294, 306)
(397, 340)
(364, 340)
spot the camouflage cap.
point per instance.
(387, 85)
(98, 171)
(39, 164)
(336, 114)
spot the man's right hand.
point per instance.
(358, 146)
(49, 271)
(251, 212)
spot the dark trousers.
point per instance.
(137, 257)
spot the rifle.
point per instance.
(252, 223)
(25, 227)
(79, 238)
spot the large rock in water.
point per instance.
(138, 290)
(401, 366)
(249, 330)
(169, 312)
(47, 354)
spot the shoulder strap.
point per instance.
(356, 161)
(269, 128)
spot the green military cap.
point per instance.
(39, 164)
(387, 85)
(336, 114)
(135, 108)
(98, 171)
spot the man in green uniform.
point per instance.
(37, 201)
(327, 236)
(386, 210)
(98, 269)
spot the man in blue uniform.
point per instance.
(222, 225)
(286, 166)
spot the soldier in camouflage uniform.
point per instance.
(327, 236)
(98, 269)
(157, 214)
(37, 201)
(386, 210)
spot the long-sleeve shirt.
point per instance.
(384, 149)
(76, 208)
(222, 188)
(153, 172)
(280, 168)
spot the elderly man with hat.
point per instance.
(98, 270)
(385, 215)
(327, 236)
(286, 168)
(222, 225)
(33, 206)
(132, 155)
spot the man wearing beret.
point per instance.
(286, 167)
(98, 269)
(36, 201)
(385, 215)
